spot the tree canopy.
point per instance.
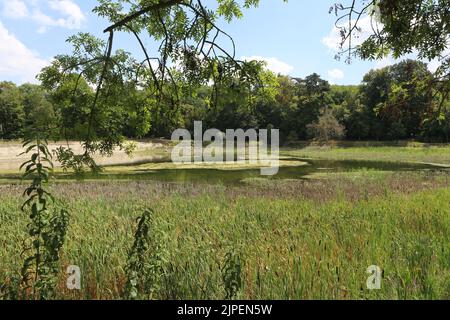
(189, 50)
(398, 27)
(391, 103)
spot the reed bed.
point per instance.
(295, 239)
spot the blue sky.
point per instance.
(296, 38)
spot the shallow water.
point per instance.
(217, 176)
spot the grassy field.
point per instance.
(282, 239)
(374, 151)
(295, 240)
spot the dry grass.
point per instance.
(146, 151)
(350, 186)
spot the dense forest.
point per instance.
(396, 102)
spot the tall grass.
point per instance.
(405, 152)
(280, 246)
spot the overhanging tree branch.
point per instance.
(152, 8)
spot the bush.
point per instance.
(326, 128)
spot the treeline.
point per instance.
(396, 102)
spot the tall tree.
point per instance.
(399, 27)
(39, 112)
(397, 99)
(12, 115)
(313, 96)
(185, 35)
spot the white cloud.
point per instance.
(433, 65)
(46, 13)
(15, 9)
(385, 62)
(333, 39)
(336, 74)
(273, 64)
(74, 16)
(17, 60)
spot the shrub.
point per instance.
(326, 128)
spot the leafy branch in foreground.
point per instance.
(146, 259)
(190, 49)
(232, 274)
(69, 160)
(375, 29)
(47, 227)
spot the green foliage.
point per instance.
(39, 110)
(129, 148)
(77, 163)
(293, 235)
(406, 26)
(145, 262)
(72, 100)
(438, 128)
(392, 103)
(12, 114)
(188, 38)
(98, 118)
(398, 27)
(313, 96)
(326, 128)
(152, 97)
(47, 227)
(397, 100)
(232, 274)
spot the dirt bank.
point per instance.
(10, 158)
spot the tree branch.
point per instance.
(131, 17)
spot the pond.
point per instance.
(227, 177)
